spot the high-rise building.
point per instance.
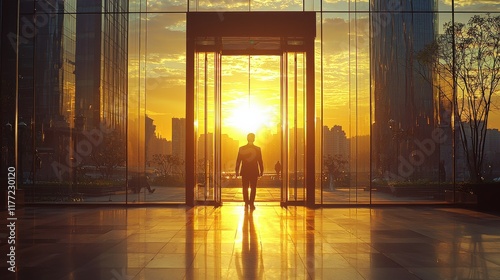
(335, 142)
(8, 26)
(403, 103)
(101, 62)
(72, 76)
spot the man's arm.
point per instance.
(261, 164)
(238, 162)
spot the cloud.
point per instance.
(339, 33)
(491, 5)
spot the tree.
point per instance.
(167, 165)
(336, 166)
(109, 154)
(463, 64)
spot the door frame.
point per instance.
(205, 31)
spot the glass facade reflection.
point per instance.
(95, 106)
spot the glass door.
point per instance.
(293, 139)
(290, 137)
(251, 101)
(207, 127)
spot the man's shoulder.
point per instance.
(246, 147)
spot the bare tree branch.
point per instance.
(476, 68)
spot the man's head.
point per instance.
(250, 138)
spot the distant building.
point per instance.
(491, 156)
(229, 148)
(155, 144)
(179, 138)
(335, 142)
(492, 144)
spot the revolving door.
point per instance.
(216, 45)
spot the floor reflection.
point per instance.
(249, 263)
(269, 243)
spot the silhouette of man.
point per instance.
(250, 159)
(277, 168)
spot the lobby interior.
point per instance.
(165, 91)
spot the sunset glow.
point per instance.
(245, 118)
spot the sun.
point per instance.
(244, 118)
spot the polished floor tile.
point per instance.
(269, 243)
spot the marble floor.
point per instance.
(169, 242)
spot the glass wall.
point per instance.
(405, 112)
(345, 98)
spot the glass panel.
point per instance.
(26, 6)
(405, 153)
(137, 6)
(165, 124)
(72, 122)
(346, 5)
(444, 5)
(397, 6)
(443, 89)
(101, 98)
(8, 110)
(477, 119)
(335, 5)
(205, 112)
(31, 69)
(97, 70)
(286, 5)
(254, 5)
(218, 5)
(135, 132)
(319, 110)
(312, 5)
(360, 5)
(359, 124)
(296, 126)
(236, 122)
(476, 6)
(167, 6)
(284, 127)
(492, 148)
(336, 107)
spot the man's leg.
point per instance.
(253, 189)
(245, 182)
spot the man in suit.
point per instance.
(250, 159)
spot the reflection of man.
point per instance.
(250, 158)
(251, 268)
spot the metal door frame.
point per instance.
(205, 32)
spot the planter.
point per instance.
(461, 197)
(408, 189)
(488, 196)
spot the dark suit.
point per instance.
(250, 159)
